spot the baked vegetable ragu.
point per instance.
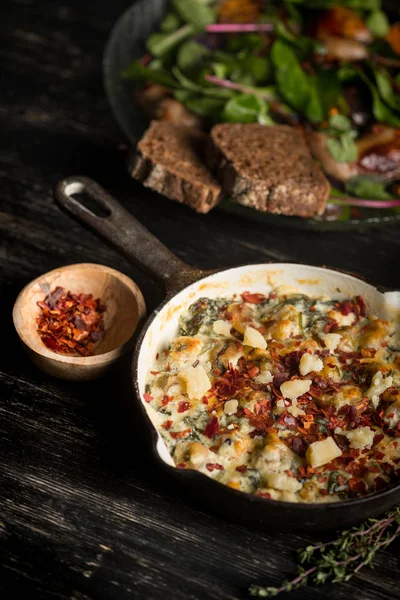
(333, 67)
(287, 397)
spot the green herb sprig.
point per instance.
(337, 561)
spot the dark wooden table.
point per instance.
(83, 512)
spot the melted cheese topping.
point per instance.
(288, 397)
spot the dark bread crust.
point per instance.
(269, 168)
(169, 160)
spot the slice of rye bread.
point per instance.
(170, 160)
(269, 168)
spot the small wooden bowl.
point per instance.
(125, 307)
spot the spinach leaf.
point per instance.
(291, 80)
(340, 123)
(159, 44)
(382, 113)
(314, 110)
(378, 23)
(246, 108)
(190, 55)
(194, 12)
(386, 90)
(170, 23)
(256, 68)
(343, 148)
(204, 106)
(141, 73)
(367, 186)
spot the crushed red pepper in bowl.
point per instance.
(71, 323)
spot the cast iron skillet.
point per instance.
(184, 284)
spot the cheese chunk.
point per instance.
(282, 481)
(221, 327)
(253, 338)
(310, 362)
(320, 453)
(264, 377)
(331, 340)
(231, 407)
(197, 381)
(359, 438)
(295, 411)
(379, 385)
(296, 388)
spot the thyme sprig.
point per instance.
(340, 559)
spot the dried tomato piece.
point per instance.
(214, 467)
(253, 298)
(212, 427)
(183, 406)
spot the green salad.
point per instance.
(332, 68)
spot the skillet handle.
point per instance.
(120, 229)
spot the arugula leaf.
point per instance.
(138, 71)
(314, 110)
(367, 186)
(340, 122)
(246, 108)
(291, 80)
(194, 12)
(378, 23)
(257, 68)
(191, 54)
(205, 107)
(386, 90)
(211, 91)
(170, 23)
(381, 112)
(159, 44)
(343, 148)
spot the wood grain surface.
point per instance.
(84, 512)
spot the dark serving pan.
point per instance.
(184, 284)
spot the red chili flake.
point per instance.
(323, 492)
(214, 467)
(361, 303)
(204, 400)
(313, 308)
(212, 427)
(379, 455)
(155, 372)
(253, 372)
(168, 367)
(323, 479)
(167, 425)
(147, 397)
(288, 420)
(346, 307)
(241, 469)
(368, 352)
(228, 316)
(383, 344)
(357, 486)
(330, 324)
(253, 298)
(281, 378)
(183, 406)
(165, 400)
(181, 465)
(71, 323)
(157, 355)
(263, 495)
(299, 446)
(179, 434)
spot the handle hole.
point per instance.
(78, 193)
